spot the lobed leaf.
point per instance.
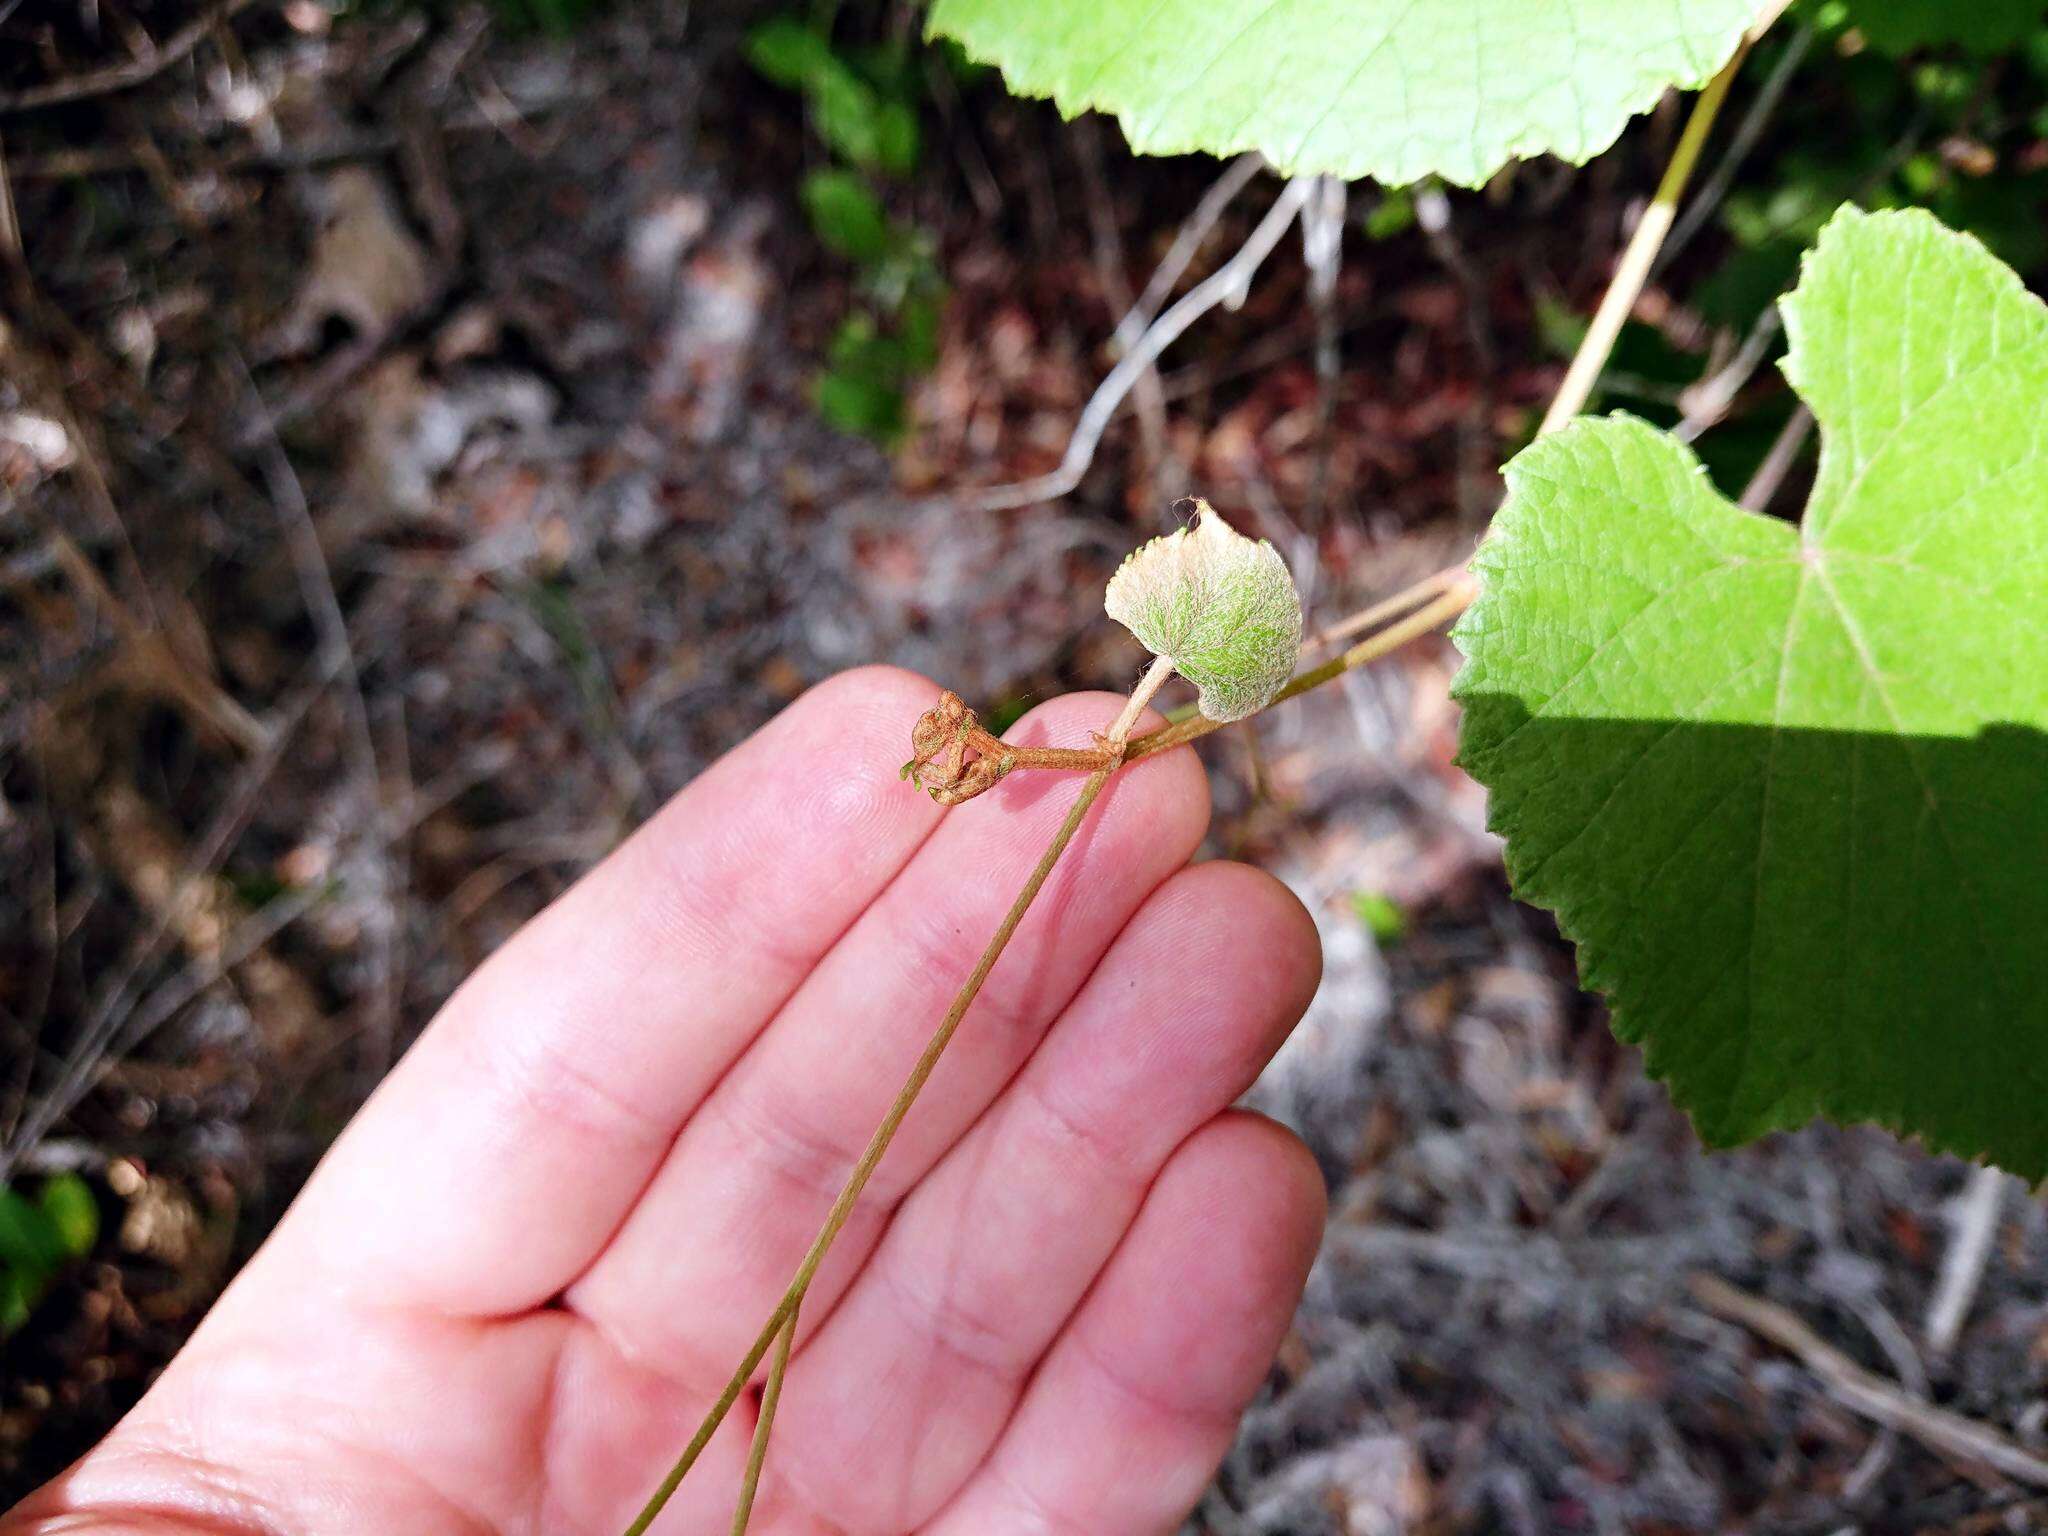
(1392, 89)
(1787, 786)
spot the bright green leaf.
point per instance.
(847, 113)
(917, 323)
(1221, 607)
(1380, 915)
(28, 1240)
(846, 216)
(17, 1299)
(855, 401)
(74, 1215)
(1383, 88)
(1786, 786)
(1393, 215)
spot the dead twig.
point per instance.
(10, 223)
(1777, 464)
(1962, 1266)
(1219, 287)
(1478, 462)
(1706, 403)
(1187, 243)
(316, 589)
(1862, 1391)
(1744, 139)
(1322, 251)
(129, 74)
(1109, 267)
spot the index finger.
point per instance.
(554, 1080)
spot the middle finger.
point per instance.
(685, 1283)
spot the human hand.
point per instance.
(514, 1286)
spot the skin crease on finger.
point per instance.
(906, 1386)
(317, 1399)
(754, 1173)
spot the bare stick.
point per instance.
(1707, 401)
(1109, 266)
(842, 1208)
(1882, 1402)
(1370, 618)
(1634, 268)
(323, 606)
(1777, 464)
(1740, 143)
(121, 77)
(1322, 251)
(1102, 406)
(1235, 178)
(1962, 1266)
(757, 1454)
(10, 224)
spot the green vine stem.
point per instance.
(1391, 608)
(771, 1396)
(1633, 270)
(1455, 594)
(885, 1133)
(1392, 638)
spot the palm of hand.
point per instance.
(522, 1275)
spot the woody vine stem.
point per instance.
(949, 732)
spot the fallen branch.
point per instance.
(1962, 1266)
(1778, 462)
(126, 75)
(1862, 1391)
(1220, 285)
(1187, 242)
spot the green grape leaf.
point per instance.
(1786, 786)
(1221, 607)
(1384, 88)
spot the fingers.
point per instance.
(713, 1243)
(903, 1391)
(1125, 1421)
(510, 1142)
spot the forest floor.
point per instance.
(408, 478)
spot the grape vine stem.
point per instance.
(1448, 594)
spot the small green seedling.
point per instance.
(863, 106)
(39, 1238)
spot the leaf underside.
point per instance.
(1787, 786)
(1221, 607)
(1392, 89)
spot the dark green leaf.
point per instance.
(847, 217)
(787, 52)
